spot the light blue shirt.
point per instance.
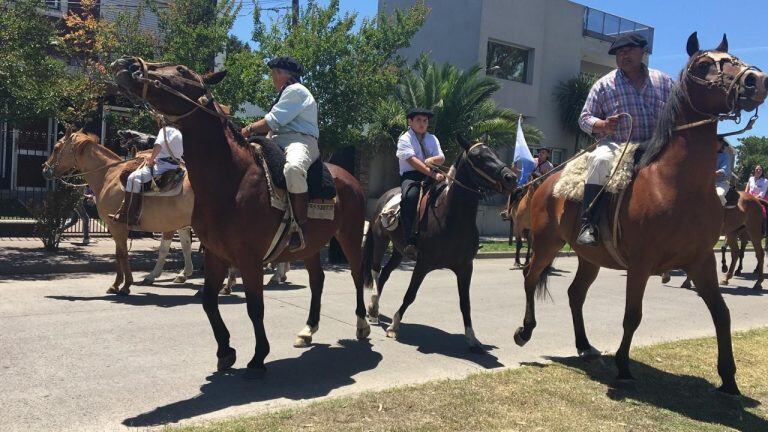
(723, 166)
(408, 146)
(295, 112)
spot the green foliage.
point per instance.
(53, 212)
(571, 96)
(346, 70)
(462, 103)
(752, 151)
(30, 79)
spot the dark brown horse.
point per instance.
(670, 216)
(448, 236)
(232, 213)
(519, 215)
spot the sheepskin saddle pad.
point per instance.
(570, 185)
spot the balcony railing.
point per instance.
(604, 26)
(53, 5)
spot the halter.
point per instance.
(719, 82)
(496, 184)
(148, 77)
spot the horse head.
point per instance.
(172, 90)
(719, 84)
(131, 138)
(63, 158)
(487, 170)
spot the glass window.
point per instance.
(53, 4)
(507, 62)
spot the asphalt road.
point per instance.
(73, 358)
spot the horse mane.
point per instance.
(665, 124)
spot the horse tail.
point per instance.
(542, 286)
(368, 257)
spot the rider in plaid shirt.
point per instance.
(634, 89)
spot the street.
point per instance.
(74, 358)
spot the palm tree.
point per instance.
(462, 103)
(571, 96)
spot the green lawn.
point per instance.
(673, 393)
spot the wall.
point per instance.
(111, 8)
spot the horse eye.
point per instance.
(182, 70)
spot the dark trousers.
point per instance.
(410, 183)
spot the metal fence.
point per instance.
(17, 221)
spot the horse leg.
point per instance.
(756, 236)
(185, 237)
(733, 244)
(577, 293)
(226, 289)
(122, 258)
(316, 280)
(350, 237)
(215, 269)
(528, 246)
(253, 281)
(120, 236)
(279, 275)
(165, 246)
(394, 260)
(376, 284)
(706, 283)
(518, 247)
(687, 283)
(535, 280)
(417, 277)
(633, 313)
(464, 279)
(723, 263)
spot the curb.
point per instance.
(88, 267)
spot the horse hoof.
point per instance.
(590, 353)
(686, 285)
(112, 290)
(737, 273)
(124, 292)
(757, 287)
(374, 320)
(392, 334)
(227, 361)
(364, 332)
(254, 373)
(519, 340)
(724, 269)
(179, 279)
(729, 389)
(302, 341)
(147, 282)
(666, 278)
(226, 291)
(724, 282)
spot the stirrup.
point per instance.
(296, 234)
(587, 236)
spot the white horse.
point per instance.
(281, 270)
(185, 236)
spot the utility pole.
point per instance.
(295, 8)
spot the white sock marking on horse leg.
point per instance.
(308, 331)
(185, 236)
(165, 245)
(395, 323)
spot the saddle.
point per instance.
(169, 183)
(570, 185)
(390, 212)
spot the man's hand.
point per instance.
(246, 131)
(720, 173)
(607, 126)
(149, 160)
(439, 177)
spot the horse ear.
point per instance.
(693, 44)
(723, 47)
(214, 78)
(462, 141)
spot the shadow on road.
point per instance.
(314, 373)
(690, 396)
(150, 299)
(431, 340)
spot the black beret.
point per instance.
(286, 63)
(627, 40)
(413, 112)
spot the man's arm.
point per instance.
(155, 151)
(591, 120)
(421, 167)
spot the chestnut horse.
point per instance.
(670, 216)
(232, 213)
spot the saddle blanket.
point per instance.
(169, 183)
(390, 214)
(570, 185)
(316, 208)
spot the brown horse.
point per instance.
(745, 220)
(670, 216)
(101, 168)
(519, 215)
(232, 213)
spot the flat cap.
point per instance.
(628, 40)
(546, 149)
(413, 112)
(286, 63)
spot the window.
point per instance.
(53, 4)
(508, 62)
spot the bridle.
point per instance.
(68, 145)
(148, 77)
(495, 183)
(731, 90)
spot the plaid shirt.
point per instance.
(614, 94)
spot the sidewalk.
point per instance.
(27, 256)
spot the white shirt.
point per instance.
(295, 112)
(757, 187)
(170, 142)
(408, 146)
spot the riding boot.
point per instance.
(134, 210)
(299, 203)
(120, 215)
(588, 236)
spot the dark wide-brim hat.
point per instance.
(286, 63)
(628, 40)
(413, 112)
(546, 149)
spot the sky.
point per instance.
(673, 21)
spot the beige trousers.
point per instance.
(300, 151)
(600, 162)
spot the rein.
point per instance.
(441, 169)
(72, 172)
